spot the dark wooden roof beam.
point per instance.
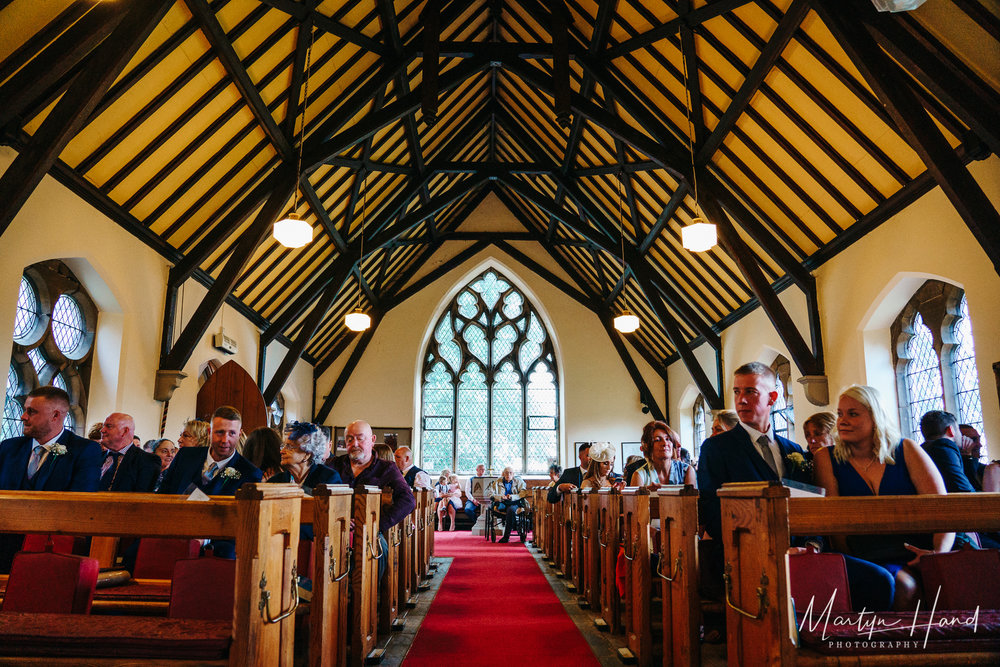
(302, 13)
(919, 129)
(692, 19)
(74, 108)
(661, 221)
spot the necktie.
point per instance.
(109, 470)
(210, 473)
(36, 460)
(765, 450)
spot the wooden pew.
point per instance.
(408, 560)
(558, 536)
(590, 590)
(609, 539)
(575, 520)
(331, 509)
(677, 572)
(388, 599)
(757, 522)
(428, 533)
(364, 574)
(263, 519)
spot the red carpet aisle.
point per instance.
(495, 608)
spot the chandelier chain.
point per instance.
(302, 129)
(690, 125)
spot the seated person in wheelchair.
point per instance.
(508, 500)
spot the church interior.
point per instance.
(494, 231)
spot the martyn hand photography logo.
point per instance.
(868, 630)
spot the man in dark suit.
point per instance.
(571, 478)
(941, 438)
(747, 453)
(46, 458)
(126, 467)
(218, 470)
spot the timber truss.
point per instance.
(799, 124)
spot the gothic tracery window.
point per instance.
(490, 383)
(783, 411)
(700, 419)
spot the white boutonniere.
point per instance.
(231, 473)
(57, 449)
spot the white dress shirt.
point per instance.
(772, 445)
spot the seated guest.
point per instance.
(471, 503)
(166, 450)
(662, 465)
(360, 467)
(384, 452)
(940, 431)
(263, 449)
(194, 434)
(571, 478)
(414, 476)
(508, 494)
(724, 421)
(818, 430)
(46, 458)
(554, 473)
(451, 501)
(971, 446)
(301, 453)
(869, 459)
(95, 431)
(217, 470)
(126, 466)
(602, 461)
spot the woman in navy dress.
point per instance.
(870, 459)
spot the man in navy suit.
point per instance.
(125, 467)
(572, 478)
(46, 458)
(218, 470)
(749, 452)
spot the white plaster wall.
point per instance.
(126, 278)
(861, 291)
(599, 400)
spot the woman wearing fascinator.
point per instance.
(602, 460)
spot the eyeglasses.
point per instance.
(288, 445)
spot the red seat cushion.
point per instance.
(818, 578)
(157, 555)
(966, 579)
(61, 544)
(203, 588)
(62, 635)
(50, 583)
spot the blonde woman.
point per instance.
(818, 430)
(602, 461)
(868, 458)
(194, 434)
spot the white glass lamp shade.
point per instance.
(293, 231)
(626, 322)
(699, 236)
(357, 321)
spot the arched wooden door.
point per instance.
(232, 385)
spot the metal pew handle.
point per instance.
(677, 567)
(264, 606)
(761, 594)
(333, 566)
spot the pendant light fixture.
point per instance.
(359, 320)
(626, 322)
(292, 231)
(700, 235)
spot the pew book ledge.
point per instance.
(82, 636)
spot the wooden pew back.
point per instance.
(331, 508)
(609, 539)
(263, 519)
(677, 572)
(591, 578)
(364, 575)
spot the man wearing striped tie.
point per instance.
(48, 457)
(126, 467)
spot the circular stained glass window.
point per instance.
(27, 310)
(67, 324)
(60, 381)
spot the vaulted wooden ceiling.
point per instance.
(802, 124)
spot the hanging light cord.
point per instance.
(302, 130)
(364, 209)
(621, 219)
(690, 126)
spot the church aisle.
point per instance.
(495, 607)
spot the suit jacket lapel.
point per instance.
(51, 461)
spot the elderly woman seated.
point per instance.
(508, 498)
(301, 452)
(602, 461)
(166, 450)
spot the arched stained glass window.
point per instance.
(963, 367)
(923, 374)
(699, 419)
(783, 411)
(490, 386)
(11, 426)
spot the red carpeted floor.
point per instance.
(495, 608)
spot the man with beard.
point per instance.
(360, 467)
